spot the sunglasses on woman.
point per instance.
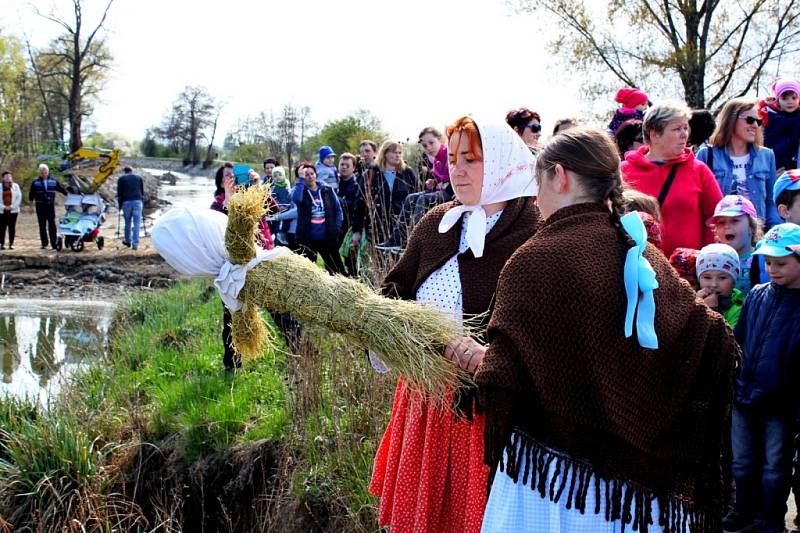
(752, 120)
(535, 128)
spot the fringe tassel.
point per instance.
(624, 500)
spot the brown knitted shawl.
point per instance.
(428, 250)
(560, 372)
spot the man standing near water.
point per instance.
(130, 198)
(43, 195)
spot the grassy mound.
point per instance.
(157, 436)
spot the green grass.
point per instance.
(163, 381)
(163, 378)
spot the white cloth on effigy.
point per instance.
(192, 241)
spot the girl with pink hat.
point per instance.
(633, 104)
(782, 122)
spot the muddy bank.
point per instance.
(66, 274)
(108, 272)
(246, 489)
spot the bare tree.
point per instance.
(193, 111)
(717, 48)
(80, 57)
(287, 131)
(210, 150)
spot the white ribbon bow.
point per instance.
(476, 225)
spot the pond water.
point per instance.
(196, 192)
(43, 341)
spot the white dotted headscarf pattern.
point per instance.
(508, 172)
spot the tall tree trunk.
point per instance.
(209, 151)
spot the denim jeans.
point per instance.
(132, 209)
(762, 442)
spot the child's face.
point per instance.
(346, 168)
(784, 271)
(641, 107)
(734, 231)
(717, 281)
(328, 161)
(788, 101)
(791, 213)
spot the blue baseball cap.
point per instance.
(788, 181)
(780, 241)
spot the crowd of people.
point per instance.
(42, 201)
(638, 294)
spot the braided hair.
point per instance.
(592, 157)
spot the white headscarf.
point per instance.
(508, 173)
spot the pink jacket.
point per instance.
(690, 202)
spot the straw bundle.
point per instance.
(408, 336)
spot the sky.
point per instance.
(413, 63)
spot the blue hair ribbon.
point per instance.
(640, 282)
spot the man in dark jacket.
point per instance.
(130, 198)
(353, 209)
(766, 402)
(43, 195)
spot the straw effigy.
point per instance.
(408, 336)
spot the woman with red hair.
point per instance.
(429, 472)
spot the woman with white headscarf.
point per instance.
(429, 472)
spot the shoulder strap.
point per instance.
(667, 184)
(755, 271)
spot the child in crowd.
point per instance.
(633, 104)
(782, 122)
(736, 224)
(785, 194)
(284, 222)
(648, 210)
(766, 400)
(326, 168)
(717, 271)
(684, 261)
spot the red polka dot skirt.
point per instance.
(429, 472)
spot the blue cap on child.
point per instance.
(780, 241)
(788, 181)
(325, 151)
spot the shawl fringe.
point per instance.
(625, 500)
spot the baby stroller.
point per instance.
(81, 222)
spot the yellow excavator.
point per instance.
(84, 159)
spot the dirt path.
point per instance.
(28, 271)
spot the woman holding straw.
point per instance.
(428, 471)
(590, 427)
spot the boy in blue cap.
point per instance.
(326, 168)
(785, 194)
(766, 401)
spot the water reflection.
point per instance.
(42, 341)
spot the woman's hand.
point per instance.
(228, 185)
(466, 353)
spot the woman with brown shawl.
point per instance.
(590, 426)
